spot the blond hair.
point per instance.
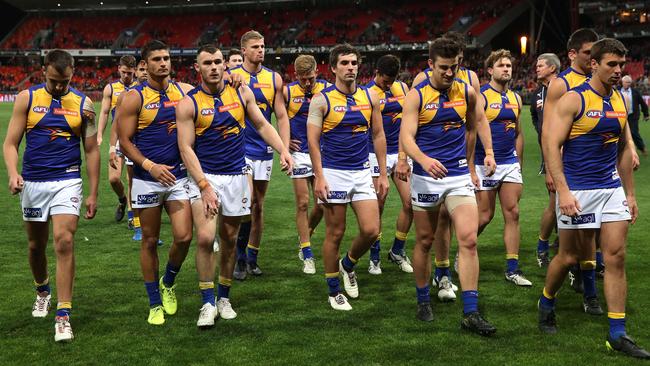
(250, 35)
(304, 64)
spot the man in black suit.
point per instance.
(635, 104)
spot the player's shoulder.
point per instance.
(485, 88)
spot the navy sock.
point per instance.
(599, 259)
(129, 214)
(306, 250)
(348, 263)
(374, 251)
(333, 283)
(542, 246)
(251, 254)
(470, 301)
(512, 263)
(153, 291)
(547, 301)
(441, 272)
(44, 288)
(589, 282)
(63, 312)
(223, 291)
(207, 292)
(399, 242)
(242, 240)
(423, 294)
(616, 325)
(170, 274)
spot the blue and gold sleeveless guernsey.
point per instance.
(462, 74)
(156, 133)
(53, 134)
(263, 86)
(589, 155)
(391, 103)
(441, 126)
(572, 78)
(298, 109)
(219, 122)
(344, 141)
(117, 88)
(502, 111)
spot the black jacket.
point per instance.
(537, 109)
(639, 105)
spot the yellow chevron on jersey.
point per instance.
(71, 110)
(338, 109)
(494, 105)
(205, 110)
(117, 88)
(398, 95)
(263, 86)
(430, 103)
(297, 99)
(149, 111)
(595, 110)
(572, 78)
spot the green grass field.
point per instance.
(284, 317)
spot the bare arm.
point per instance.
(402, 168)
(317, 110)
(186, 135)
(103, 113)
(625, 171)
(476, 119)
(379, 144)
(92, 155)
(281, 115)
(185, 87)
(519, 142)
(15, 132)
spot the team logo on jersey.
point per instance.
(509, 125)
(40, 109)
(337, 195)
(207, 111)
(609, 138)
(593, 113)
(32, 212)
(340, 108)
(226, 131)
(152, 105)
(171, 126)
(148, 199)
(170, 103)
(261, 85)
(615, 114)
(428, 197)
(65, 112)
(451, 126)
(360, 107)
(58, 132)
(432, 106)
(455, 103)
(359, 129)
(228, 107)
(583, 219)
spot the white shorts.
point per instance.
(233, 192)
(40, 200)
(505, 173)
(349, 185)
(391, 164)
(119, 153)
(302, 167)
(145, 194)
(429, 192)
(260, 169)
(598, 206)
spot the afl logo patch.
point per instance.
(432, 106)
(299, 100)
(594, 114)
(40, 109)
(340, 108)
(154, 105)
(207, 111)
(495, 105)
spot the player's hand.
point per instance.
(16, 184)
(636, 162)
(569, 205)
(235, 80)
(549, 182)
(294, 145)
(382, 187)
(402, 170)
(91, 207)
(634, 209)
(475, 181)
(99, 139)
(112, 159)
(321, 189)
(163, 175)
(210, 202)
(489, 165)
(434, 168)
(286, 162)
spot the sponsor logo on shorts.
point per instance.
(74, 199)
(228, 107)
(624, 203)
(432, 106)
(32, 212)
(207, 111)
(594, 113)
(340, 108)
(375, 169)
(40, 109)
(489, 183)
(65, 112)
(244, 200)
(614, 114)
(360, 107)
(337, 195)
(428, 197)
(583, 219)
(148, 199)
(300, 171)
(261, 85)
(455, 103)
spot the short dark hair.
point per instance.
(458, 38)
(388, 65)
(208, 47)
(154, 45)
(342, 49)
(580, 37)
(443, 47)
(234, 52)
(60, 60)
(128, 61)
(607, 45)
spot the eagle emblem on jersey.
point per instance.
(57, 132)
(509, 125)
(451, 126)
(609, 138)
(359, 129)
(227, 131)
(171, 126)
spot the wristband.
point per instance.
(112, 149)
(147, 165)
(203, 184)
(401, 155)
